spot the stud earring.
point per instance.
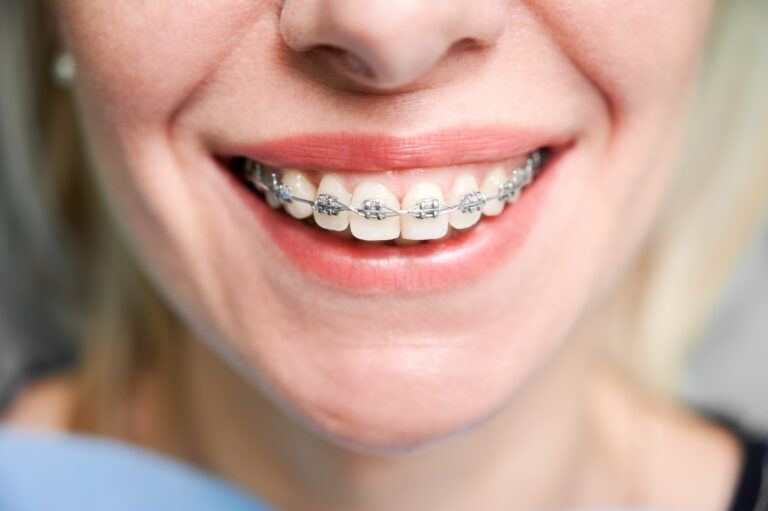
(63, 69)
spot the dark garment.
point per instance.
(752, 490)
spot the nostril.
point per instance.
(357, 66)
(465, 44)
(345, 61)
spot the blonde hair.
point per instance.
(648, 323)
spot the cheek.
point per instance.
(137, 63)
(635, 52)
(643, 58)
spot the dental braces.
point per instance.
(266, 181)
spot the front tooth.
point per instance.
(427, 228)
(302, 188)
(372, 229)
(465, 183)
(490, 188)
(331, 184)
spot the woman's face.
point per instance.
(393, 342)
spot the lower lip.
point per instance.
(359, 266)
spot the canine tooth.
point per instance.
(272, 200)
(256, 173)
(490, 188)
(375, 198)
(426, 197)
(464, 184)
(332, 185)
(300, 187)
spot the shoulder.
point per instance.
(661, 453)
(702, 457)
(751, 489)
(45, 404)
(728, 463)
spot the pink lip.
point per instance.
(360, 266)
(382, 152)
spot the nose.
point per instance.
(389, 43)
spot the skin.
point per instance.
(288, 397)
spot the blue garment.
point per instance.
(64, 472)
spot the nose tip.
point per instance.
(388, 43)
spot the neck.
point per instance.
(544, 450)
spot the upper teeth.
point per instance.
(373, 212)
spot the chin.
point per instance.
(394, 399)
(392, 396)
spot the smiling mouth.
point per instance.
(371, 211)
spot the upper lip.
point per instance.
(375, 152)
